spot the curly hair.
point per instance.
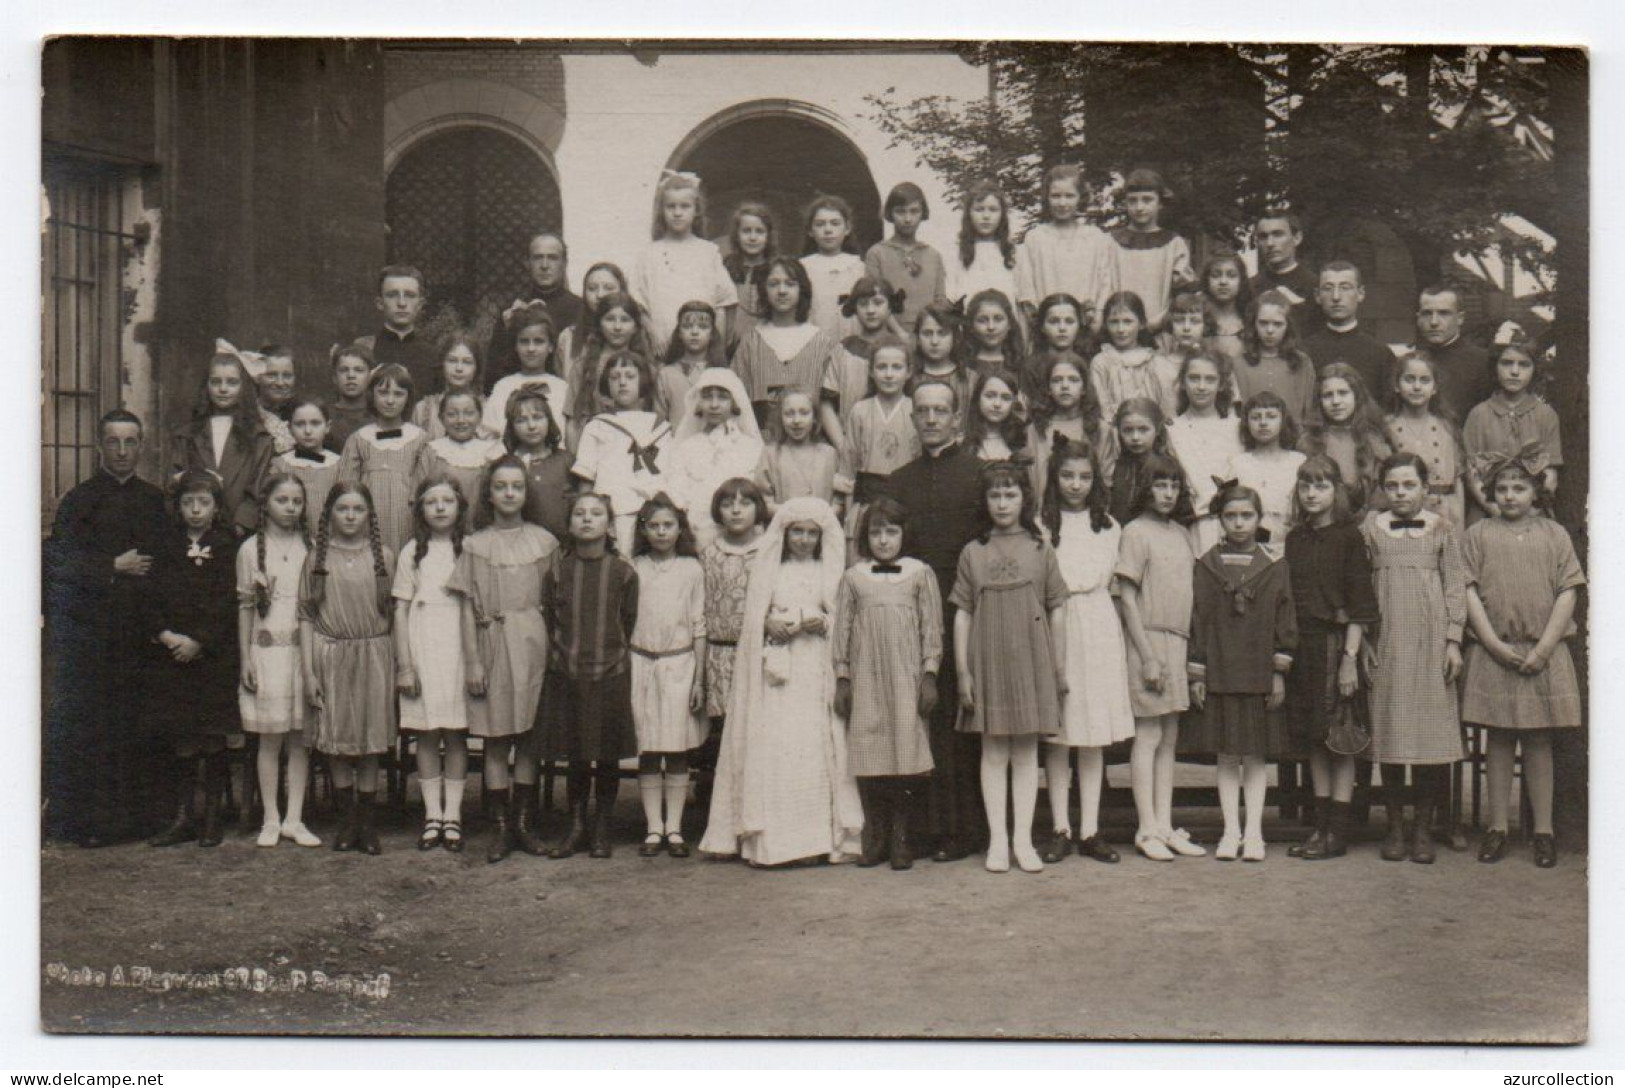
(1014, 428)
(421, 533)
(531, 394)
(1096, 503)
(1015, 356)
(1289, 349)
(1366, 426)
(1244, 293)
(461, 338)
(685, 534)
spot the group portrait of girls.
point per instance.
(683, 532)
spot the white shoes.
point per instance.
(1180, 843)
(270, 834)
(1252, 849)
(1153, 846)
(998, 857)
(299, 833)
(1229, 847)
(1027, 858)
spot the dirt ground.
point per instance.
(1356, 949)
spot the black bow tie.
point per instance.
(886, 568)
(1407, 523)
(382, 434)
(306, 455)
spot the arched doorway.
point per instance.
(460, 205)
(783, 160)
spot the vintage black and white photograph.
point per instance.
(857, 539)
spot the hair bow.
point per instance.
(680, 175)
(1530, 460)
(1215, 505)
(1510, 333)
(957, 307)
(252, 361)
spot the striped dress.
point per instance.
(386, 466)
(814, 367)
(888, 633)
(1422, 596)
(591, 606)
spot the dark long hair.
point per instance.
(1014, 428)
(380, 567)
(245, 417)
(734, 261)
(1162, 466)
(685, 534)
(1050, 513)
(421, 533)
(1009, 474)
(1001, 234)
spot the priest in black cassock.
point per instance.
(97, 563)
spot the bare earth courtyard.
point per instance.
(1351, 950)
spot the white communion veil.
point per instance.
(738, 800)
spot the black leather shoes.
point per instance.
(1545, 851)
(1493, 848)
(1095, 847)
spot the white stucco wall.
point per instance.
(626, 118)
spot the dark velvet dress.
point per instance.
(1331, 588)
(194, 593)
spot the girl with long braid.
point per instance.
(348, 657)
(270, 696)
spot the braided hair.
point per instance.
(273, 480)
(380, 568)
(421, 532)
